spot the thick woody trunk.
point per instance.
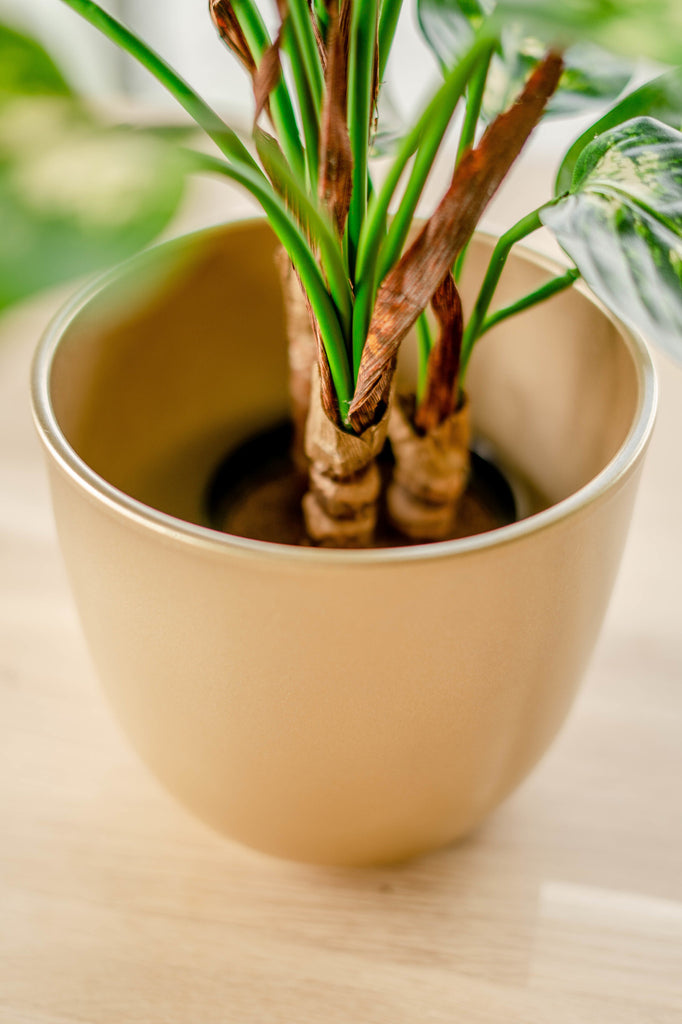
(430, 474)
(430, 440)
(340, 508)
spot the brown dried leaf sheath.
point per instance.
(266, 76)
(440, 394)
(319, 38)
(336, 157)
(408, 287)
(225, 20)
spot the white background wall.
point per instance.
(182, 32)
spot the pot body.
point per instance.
(337, 707)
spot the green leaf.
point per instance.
(25, 68)
(660, 99)
(592, 75)
(634, 28)
(449, 26)
(75, 197)
(621, 224)
(312, 218)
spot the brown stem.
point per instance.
(408, 287)
(440, 394)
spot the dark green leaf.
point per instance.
(75, 197)
(448, 26)
(26, 69)
(621, 224)
(635, 28)
(661, 99)
(592, 74)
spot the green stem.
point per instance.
(474, 100)
(283, 116)
(468, 134)
(374, 228)
(309, 110)
(545, 291)
(314, 222)
(388, 22)
(424, 346)
(302, 29)
(426, 154)
(296, 245)
(531, 222)
(322, 15)
(363, 35)
(225, 139)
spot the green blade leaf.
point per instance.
(592, 75)
(74, 197)
(635, 28)
(26, 69)
(313, 219)
(660, 99)
(621, 224)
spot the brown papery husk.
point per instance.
(336, 156)
(340, 508)
(266, 76)
(431, 471)
(226, 21)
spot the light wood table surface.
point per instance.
(116, 906)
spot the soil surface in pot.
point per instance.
(256, 492)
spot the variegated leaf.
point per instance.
(621, 224)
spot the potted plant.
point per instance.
(370, 702)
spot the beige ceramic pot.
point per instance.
(339, 707)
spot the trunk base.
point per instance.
(257, 492)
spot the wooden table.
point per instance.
(118, 907)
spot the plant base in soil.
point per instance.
(256, 492)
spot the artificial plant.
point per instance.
(359, 273)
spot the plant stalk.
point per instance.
(526, 226)
(283, 116)
(374, 228)
(295, 243)
(541, 294)
(361, 76)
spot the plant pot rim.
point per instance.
(209, 539)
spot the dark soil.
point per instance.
(256, 492)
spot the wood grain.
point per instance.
(116, 906)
